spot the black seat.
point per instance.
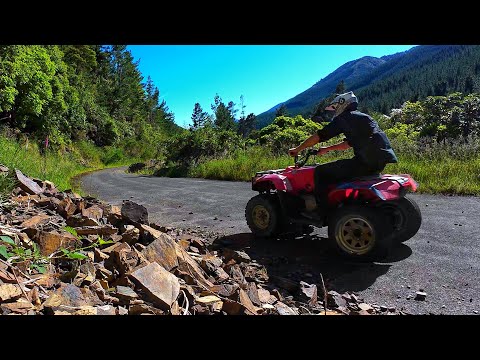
(365, 178)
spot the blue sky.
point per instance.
(264, 74)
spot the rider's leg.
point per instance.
(335, 172)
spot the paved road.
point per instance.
(443, 258)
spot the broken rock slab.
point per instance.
(148, 233)
(244, 299)
(366, 307)
(334, 299)
(188, 265)
(225, 290)
(209, 299)
(220, 275)
(210, 263)
(284, 309)
(143, 309)
(232, 307)
(308, 293)
(96, 230)
(125, 294)
(238, 256)
(9, 292)
(19, 307)
(50, 242)
(162, 251)
(106, 310)
(236, 274)
(35, 220)
(134, 212)
(253, 294)
(420, 295)
(161, 286)
(93, 212)
(66, 295)
(131, 235)
(122, 259)
(79, 220)
(28, 185)
(265, 297)
(66, 208)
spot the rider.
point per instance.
(371, 147)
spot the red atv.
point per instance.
(368, 213)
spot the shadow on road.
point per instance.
(305, 258)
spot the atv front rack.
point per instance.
(260, 173)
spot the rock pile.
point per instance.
(61, 253)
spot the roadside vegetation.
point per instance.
(436, 141)
(69, 109)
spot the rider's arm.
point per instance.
(340, 146)
(312, 140)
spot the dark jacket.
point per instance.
(370, 144)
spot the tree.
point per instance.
(127, 94)
(247, 125)
(320, 114)
(281, 111)
(199, 117)
(242, 107)
(231, 109)
(165, 118)
(72, 92)
(34, 84)
(224, 116)
(152, 98)
(216, 102)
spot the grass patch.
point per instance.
(60, 168)
(6, 185)
(445, 176)
(439, 172)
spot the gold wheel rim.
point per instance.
(261, 217)
(355, 235)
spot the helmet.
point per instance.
(341, 102)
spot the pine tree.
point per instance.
(152, 98)
(250, 123)
(199, 117)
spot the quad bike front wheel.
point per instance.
(262, 214)
(360, 233)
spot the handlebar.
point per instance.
(303, 159)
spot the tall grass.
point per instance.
(60, 168)
(450, 167)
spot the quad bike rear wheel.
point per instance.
(263, 214)
(360, 233)
(410, 219)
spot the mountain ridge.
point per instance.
(388, 81)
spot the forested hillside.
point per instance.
(78, 92)
(430, 70)
(423, 71)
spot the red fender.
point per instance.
(272, 181)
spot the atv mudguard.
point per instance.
(271, 182)
(389, 187)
